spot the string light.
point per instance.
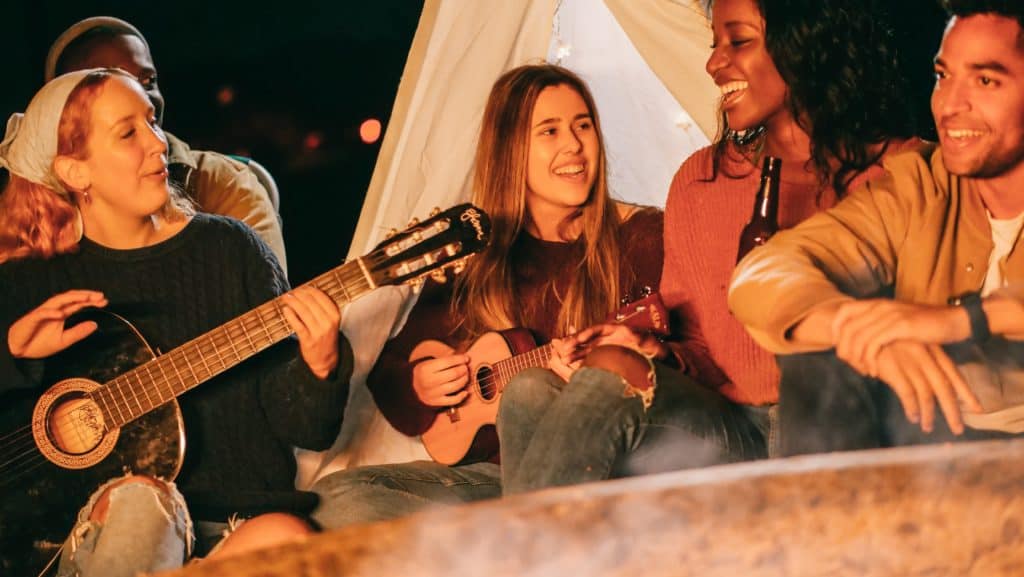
(562, 48)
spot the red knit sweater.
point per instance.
(703, 221)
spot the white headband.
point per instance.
(30, 144)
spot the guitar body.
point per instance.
(455, 431)
(41, 498)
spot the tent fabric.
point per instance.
(460, 48)
(646, 130)
(674, 38)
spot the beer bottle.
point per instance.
(765, 220)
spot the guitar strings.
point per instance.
(506, 368)
(18, 448)
(240, 338)
(22, 442)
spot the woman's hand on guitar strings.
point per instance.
(316, 320)
(41, 332)
(441, 381)
(566, 357)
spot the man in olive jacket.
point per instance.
(910, 292)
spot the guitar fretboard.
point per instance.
(505, 369)
(142, 389)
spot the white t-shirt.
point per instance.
(1000, 391)
(1004, 236)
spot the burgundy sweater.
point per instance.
(534, 263)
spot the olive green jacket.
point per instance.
(916, 234)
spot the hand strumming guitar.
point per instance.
(441, 381)
(316, 319)
(42, 333)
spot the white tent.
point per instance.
(644, 61)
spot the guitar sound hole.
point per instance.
(485, 382)
(75, 425)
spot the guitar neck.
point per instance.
(136, 392)
(507, 368)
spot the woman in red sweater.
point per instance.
(815, 83)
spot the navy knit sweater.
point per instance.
(241, 425)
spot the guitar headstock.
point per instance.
(445, 240)
(647, 313)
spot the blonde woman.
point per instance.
(562, 255)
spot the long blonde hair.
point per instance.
(36, 221)
(484, 292)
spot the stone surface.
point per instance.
(921, 511)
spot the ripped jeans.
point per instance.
(146, 529)
(592, 428)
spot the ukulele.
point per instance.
(496, 357)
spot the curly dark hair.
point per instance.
(845, 86)
(1008, 8)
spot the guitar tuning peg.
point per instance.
(436, 211)
(413, 222)
(459, 266)
(646, 291)
(391, 233)
(439, 276)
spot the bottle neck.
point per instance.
(766, 205)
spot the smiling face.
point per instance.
(124, 171)
(978, 99)
(562, 160)
(753, 92)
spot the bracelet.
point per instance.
(971, 302)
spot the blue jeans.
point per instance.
(146, 530)
(555, 433)
(826, 406)
(383, 492)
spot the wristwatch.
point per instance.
(971, 302)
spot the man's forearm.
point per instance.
(816, 328)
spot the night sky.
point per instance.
(302, 76)
(302, 80)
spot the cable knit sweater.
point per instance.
(703, 221)
(241, 425)
(536, 264)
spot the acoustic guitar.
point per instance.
(496, 357)
(120, 411)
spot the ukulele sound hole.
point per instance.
(75, 425)
(485, 382)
